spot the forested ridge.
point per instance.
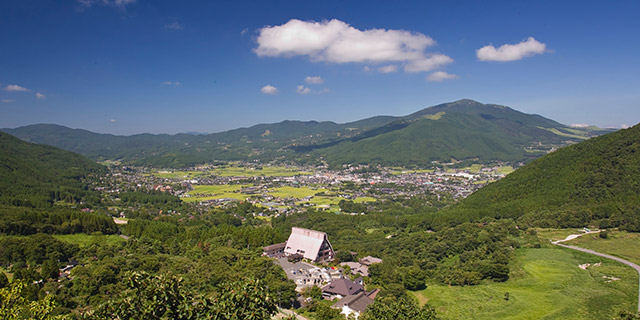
(593, 182)
(33, 175)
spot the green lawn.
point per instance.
(545, 283)
(622, 244)
(83, 240)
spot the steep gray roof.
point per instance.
(343, 287)
(358, 302)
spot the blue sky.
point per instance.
(134, 66)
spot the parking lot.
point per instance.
(306, 275)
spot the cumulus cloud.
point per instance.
(314, 80)
(15, 87)
(338, 42)
(269, 89)
(174, 26)
(303, 90)
(440, 76)
(112, 3)
(40, 96)
(388, 69)
(511, 52)
(172, 83)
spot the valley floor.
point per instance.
(545, 283)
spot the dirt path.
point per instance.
(286, 312)
(604, 255)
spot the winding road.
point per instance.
(629, 263)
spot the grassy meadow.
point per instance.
(545, 283)
(210, 192)
(622, 244)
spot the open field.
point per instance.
(84, 240)
(545, 283)
(210, 192)
(621, 244)
(551, 234)
(232, 171)
(295, 192)
(274, 171)
(505, 170)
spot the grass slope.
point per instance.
(545, 283)
(625, 245)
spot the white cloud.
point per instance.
(15, 87)
(112, 3)
(314, 80)
(440, 76)
(388, 69)
(40, 96)
(366, 69)
(428, 63)
(303, 90)
(112, 120)
(579, 125)
(172, 83)
(7, 100)
(338, 42)
(269, 89)
(244, 31)
(511, 52)
(624, 126)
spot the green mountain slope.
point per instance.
(37, 175)
(460, 130)
(594, 182)
(262, 141)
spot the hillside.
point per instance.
(593, 182)
(35, 175)
(461, 130)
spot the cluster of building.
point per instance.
(314, 246)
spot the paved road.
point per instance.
(629, 263)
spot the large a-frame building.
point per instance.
(311, 244)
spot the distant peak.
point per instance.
(466, 101)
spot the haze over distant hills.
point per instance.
(461, 130)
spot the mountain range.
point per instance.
(463, 130)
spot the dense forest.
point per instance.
(596, 182)
(33, 175)
(174, 260)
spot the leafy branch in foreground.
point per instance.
(165, 297)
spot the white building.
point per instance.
(311, 244)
